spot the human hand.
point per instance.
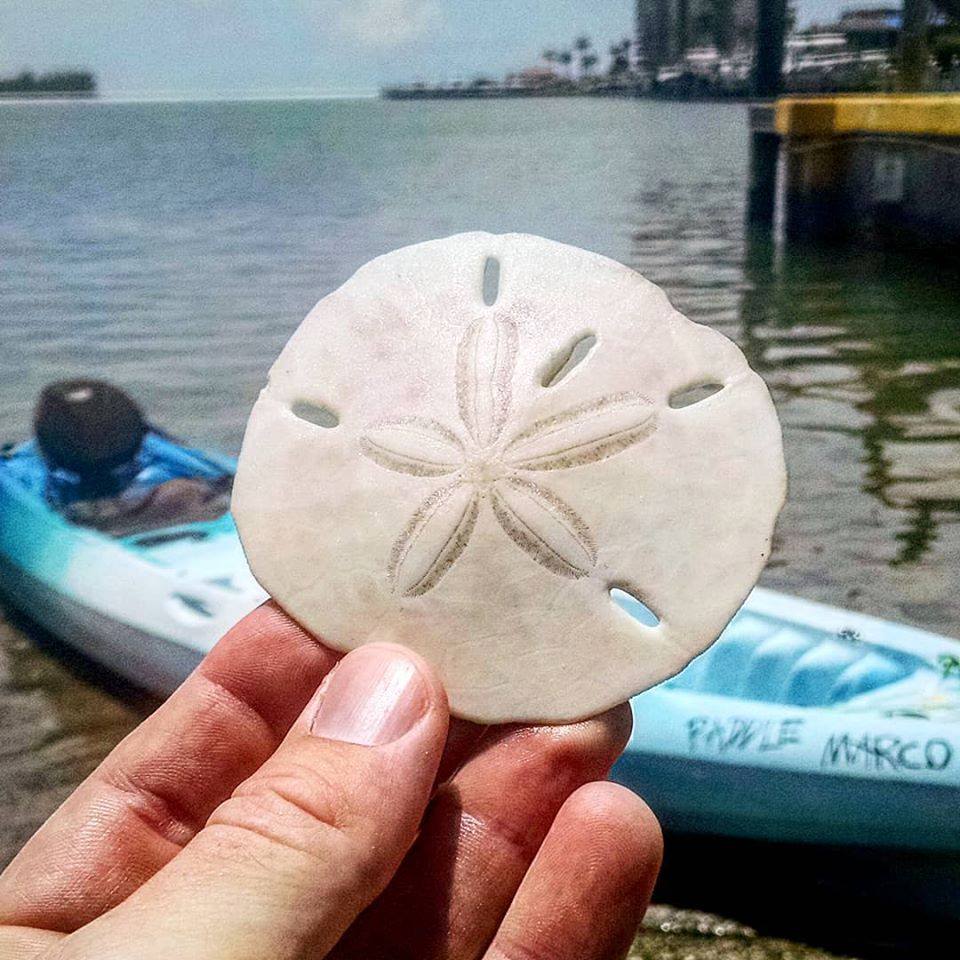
(255, 816)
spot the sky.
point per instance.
(158, 48)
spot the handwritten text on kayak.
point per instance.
(879, 751)
(732, 734)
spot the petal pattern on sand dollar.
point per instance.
(480, 467)
(433, 539)
(485, 363)
(546, 528)
(586, 433)
(413, 445)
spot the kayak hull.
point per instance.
(146, 659)
(806, 724)
(792, 806)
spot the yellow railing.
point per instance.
(928, 115)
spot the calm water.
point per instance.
(174, 247)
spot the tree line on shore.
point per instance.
(57, 81)
(586, 57)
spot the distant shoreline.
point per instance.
(107, 99)
(503, 92)
(48, 94)
(103, 100)
(521, 93)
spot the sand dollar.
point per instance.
(473, 441)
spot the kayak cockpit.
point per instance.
(96, 463)
(765, 659)
(171, 486)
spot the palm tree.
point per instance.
(582, 45)
(620, 58)
(565, 58)
(550, 58)
(588, 62)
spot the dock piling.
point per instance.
(767, 84)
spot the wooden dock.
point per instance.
(867, 168)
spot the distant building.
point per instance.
(534, 77)
(816, 49)
(745, 22)
(656, 34)
(666, 29)
(871, 28)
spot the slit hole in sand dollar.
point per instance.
(315, 413)
(695, 393)
(634, 606)
(562, 366)
(491, 281)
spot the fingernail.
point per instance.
(373, 696)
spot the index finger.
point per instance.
(158, 787)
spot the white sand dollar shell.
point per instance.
(417, 470)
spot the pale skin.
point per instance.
(267, 811)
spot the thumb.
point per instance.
(285, 865)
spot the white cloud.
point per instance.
(386, 23)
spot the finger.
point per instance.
(157, 788)
(590, 884)
(287, 863)
(21, 943)
(480, 834)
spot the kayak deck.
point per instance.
(781, 650)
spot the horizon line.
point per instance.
(198, 97)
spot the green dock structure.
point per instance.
(879, 169)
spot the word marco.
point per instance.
(741, 734)
(878, 751)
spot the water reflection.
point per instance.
(878, 335)
(861, 351)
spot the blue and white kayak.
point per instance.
(802, 723)
(149, 605)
